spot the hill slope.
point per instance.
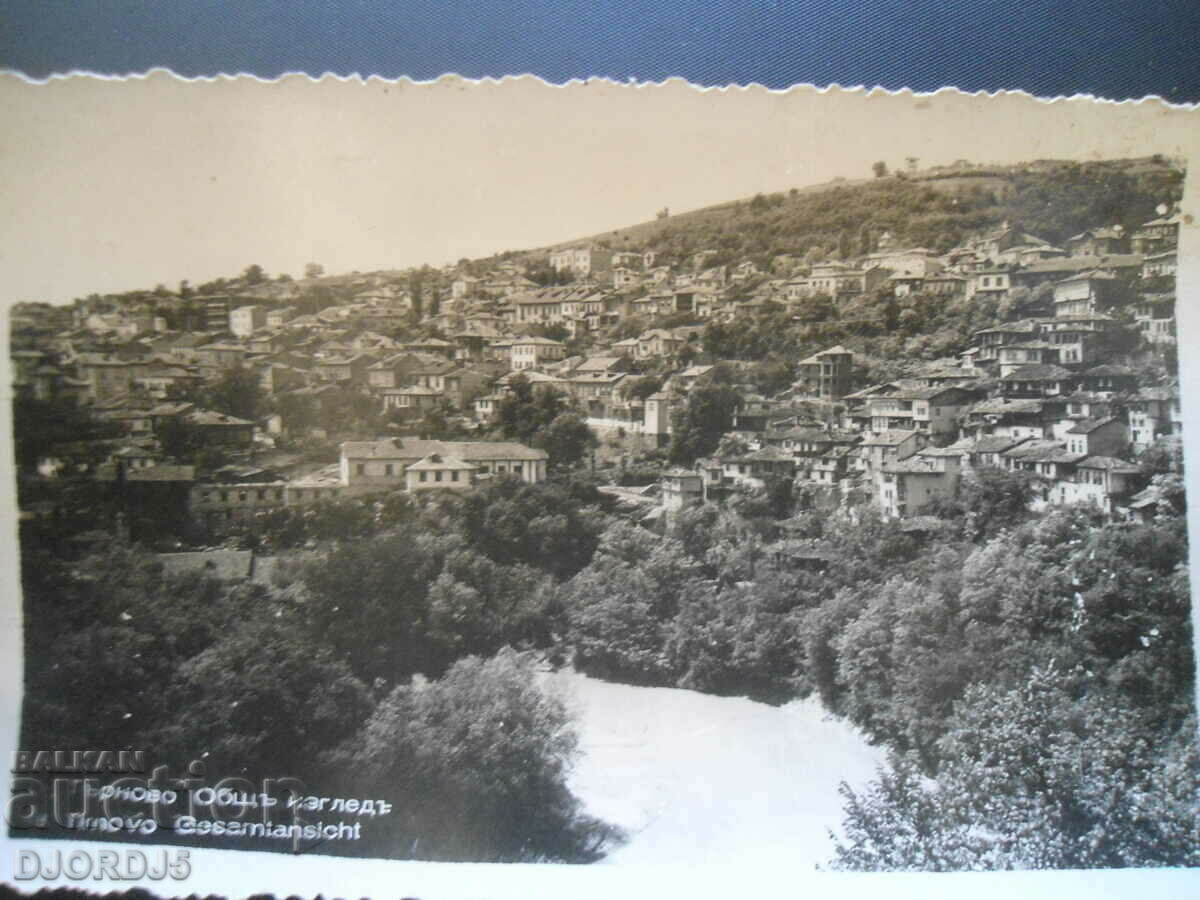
(936, 209)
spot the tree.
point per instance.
(525, 411)
(237, 392)
(880, 169)
(314, 270)
(262, 700)
(698, 424)
(641, 387)
(1053, 773)
(254, 274)
(567, 440)
(476, 766)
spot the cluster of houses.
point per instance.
(1039, 394)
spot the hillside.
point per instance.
(934, 208)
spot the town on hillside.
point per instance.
(864, 500)
(198, 412)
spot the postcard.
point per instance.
(505, 489)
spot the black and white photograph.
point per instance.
(593, 478)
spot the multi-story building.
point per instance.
(828, 374)
(245, 320)
(532, 352)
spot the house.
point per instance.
(990, 284)
(914, 407)
(757, 468)
(1124, 265)
(833, 465)
(987, 451)
(220, 505)
(1153, 413)
(1107, 379)
(220, 355)
(908, 486)
(878, 450)
(434, 346)
(1006, 417)
(990, 340)
(627, 348)
(1037, 381)
(1047, 458)
(213, 429)
(582, 261)
(1098, 242)
(1086, 293)
(411, 398)
(1102, 481)
(681, 488)
(438, 472)
(245, 320)
(1155, 318)
(460, 386)
(539, 308)
(828, 374)
(1157, 235)
(594, 387)
(658, 343)
(1097, 437)
(1161, 265)
(343, 369)
(160, 381)
(105, 377)
(382, 463)
(393, 371)
(991, 244)
(533, 352)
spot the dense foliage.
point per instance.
(400, 620)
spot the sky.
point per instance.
(111, 186)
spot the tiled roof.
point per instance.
(1087, 426)
(413, 448)
(1111, 464)
(1042, 372)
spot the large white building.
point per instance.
(384, 462)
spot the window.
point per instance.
(454, 475)
(224, 496)
(299, 494)
(278, 493)
(242, 496)
(389, 469)
(437, 476)
(360, 469)
(424, 476)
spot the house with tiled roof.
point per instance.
(438, 472)
(382, 463)
(907, 486)
(1038, 381)
(1098, 242)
